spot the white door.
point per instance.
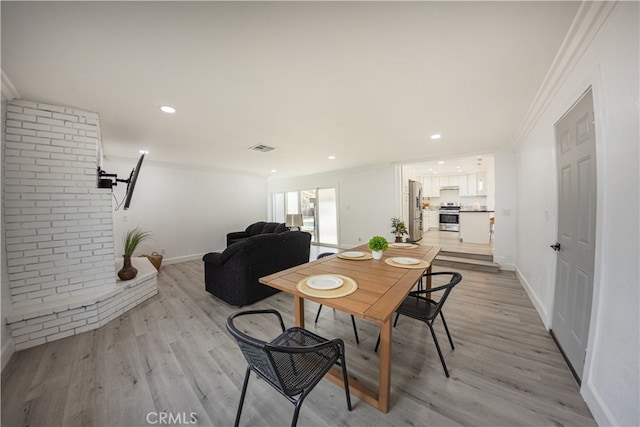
(575, 148)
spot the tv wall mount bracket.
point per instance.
(109, 180)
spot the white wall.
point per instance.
(610, 65)
(505, 199)
(367, 200)
(188, 210)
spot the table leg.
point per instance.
(298, 308)
(384, 381)
(427, 284)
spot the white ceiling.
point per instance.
(368, 82)
(454, 166)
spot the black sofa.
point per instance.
(232, 275)
(254, 229)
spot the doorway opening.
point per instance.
(319, 211)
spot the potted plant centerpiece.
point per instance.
(398, 228)
(378, 245)
(131, 241)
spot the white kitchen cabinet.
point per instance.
(435, 219)
(464, 186)
(454, 181)
(435, 186)
(472, 185)
(426, 187)
(444, 181)
(475, 227)
(431, 219)
(481, 184)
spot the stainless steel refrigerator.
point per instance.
(415, 211)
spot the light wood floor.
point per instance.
(173, 354)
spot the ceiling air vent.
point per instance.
(261, 148)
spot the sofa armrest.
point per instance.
(220, 258)
(214, 258)
(235, 236)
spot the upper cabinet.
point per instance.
(471, 185)
(481, 184)
(463, 183)
(435, 186)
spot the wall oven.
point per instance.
(449, 218)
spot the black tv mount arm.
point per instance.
(109, 180)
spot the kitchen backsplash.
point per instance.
(435, 202)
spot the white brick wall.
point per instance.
(58, 227)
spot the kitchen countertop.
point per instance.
(472, 211)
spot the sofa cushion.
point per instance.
(255, 228)
(260, 227)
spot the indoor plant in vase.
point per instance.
(378, 245)
(398, 228)
(131, 241)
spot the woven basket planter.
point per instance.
(156, 259)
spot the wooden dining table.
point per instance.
(381, 288)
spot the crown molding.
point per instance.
(589, 19)
(9, 91)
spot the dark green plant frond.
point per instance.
(133, 238)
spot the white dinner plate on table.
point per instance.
(324, 282)
(406, 261)
(401, 245)
(352, 254)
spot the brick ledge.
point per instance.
(35, 325)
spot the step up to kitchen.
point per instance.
(482, 255)
(467, 263)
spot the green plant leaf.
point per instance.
(378, 243)
(133, 238)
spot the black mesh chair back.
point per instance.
(292, 363)
(421, 305)
(353, 320)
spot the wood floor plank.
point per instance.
(85, 386)
(173, 353)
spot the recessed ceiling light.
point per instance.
(274, 170)
(168, 109)
(436, 136)
(331, 157)
(441, 162)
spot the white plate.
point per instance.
(353, 254)
(324, 282)
(407, 261)
(401, 245)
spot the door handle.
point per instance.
(556, 247)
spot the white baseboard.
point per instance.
(505, 263)
(544, 315)
(596, 405)
(182, 258)
(7, 351)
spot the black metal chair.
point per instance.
(353, 320)
(419, 307)
(292, 363)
